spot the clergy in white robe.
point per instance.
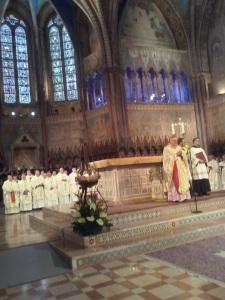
(37, 183)
(54, 177)
(213, 169)
(199, 169)
(25, 194)
(29, 175)
(50, 186)
(63, 187)
(43, 174)
(222, 173)
(74, 186)
(11, 196)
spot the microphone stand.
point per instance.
(196, 211)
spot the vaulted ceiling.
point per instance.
(188, 19)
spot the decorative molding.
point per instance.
(160, 107)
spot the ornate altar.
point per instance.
(132, 179)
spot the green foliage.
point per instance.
(90, 216)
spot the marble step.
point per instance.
(62, 213)
(162, 211)
(127, 232)
(83, 257)
(168, 211)
(45, 224)
(141, 224)
(142, 230)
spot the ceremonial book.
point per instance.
(201, 156)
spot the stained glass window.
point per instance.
(64, 74)
(15, 61)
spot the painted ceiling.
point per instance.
(182, 6)
(37, 4)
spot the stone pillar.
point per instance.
(117, 104)
(200, 95)
(42, 97)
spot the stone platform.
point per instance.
(137, 228)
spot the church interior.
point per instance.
(91, 93)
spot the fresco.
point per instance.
(94, 60)
(143, 21)
(154, 70)
(146, 40)
(57, 127)
(99, 127)
(216, 55)
(37, 4)
(216, 112)
(158, 121)
(183, 6)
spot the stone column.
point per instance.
(117, 104)
(41, 93)
(200, 97)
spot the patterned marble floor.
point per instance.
(15, 231)
(134, 278)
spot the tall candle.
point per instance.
(173, 128)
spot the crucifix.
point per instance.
(179, 128)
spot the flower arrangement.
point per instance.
(90, 215)
(91, 210)
(186, 149)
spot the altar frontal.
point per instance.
(133, 179)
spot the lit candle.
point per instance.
(173, 128)
(182, 128)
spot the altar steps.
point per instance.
(134, 232)
(126, 232)
(52, 223)
(82, 257)
(62, 216)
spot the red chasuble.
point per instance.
(175, 177)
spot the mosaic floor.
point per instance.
(134, 278)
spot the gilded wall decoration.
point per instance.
(99, 126)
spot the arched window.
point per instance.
(15, 61)
(63, 67)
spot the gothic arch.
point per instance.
(94, 15)
(170, 14)
(205, 15)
